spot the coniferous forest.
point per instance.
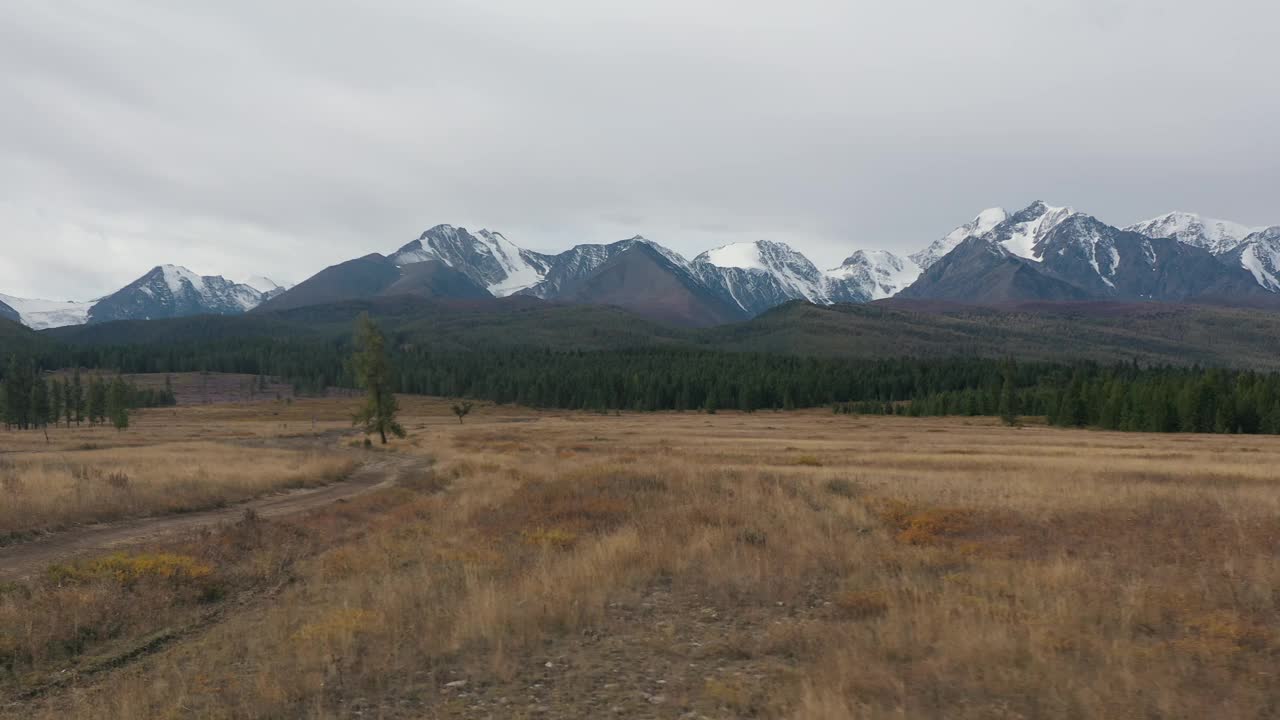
(1120, 396)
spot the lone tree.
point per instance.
(461, 409)
(373, 373)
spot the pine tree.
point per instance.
(97, 400)
(117, 403)
(39, 403)
(56, 400)
(373, 373)
(76, 402)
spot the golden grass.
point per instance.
(774, 565)
(49, 490)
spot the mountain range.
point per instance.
(165, 291)
(1040, 252)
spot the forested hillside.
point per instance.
(1151, 333)
(1110, 365)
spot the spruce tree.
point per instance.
(117, 404)
(56, 400)
(373, 373)
(39, 403)
(97, 400)
(76, 402)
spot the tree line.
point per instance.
(1118, 397)
(1121, 396)
(31, 400)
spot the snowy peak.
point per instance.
(487, 257)
(871, 275)
(1216, 236)
(1023, 231)
(758, 275)
(174, 291)
(980, 225)
(778, 259)
(1018, 233)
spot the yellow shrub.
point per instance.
(923, 526)
(130, 569)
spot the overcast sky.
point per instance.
(281, 137)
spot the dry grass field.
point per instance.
(170, 461)
(546, 565)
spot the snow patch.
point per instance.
(1024, 236)
(176, 275)
(745, 255)
(44, 314)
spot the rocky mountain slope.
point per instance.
(377, 275)
(870, 275)
(1259, 254)
(7, 312)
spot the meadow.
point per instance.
(530, 564)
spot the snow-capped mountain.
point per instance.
(1259, 253)
(45, 314)
(1109, 262)
(174, 291)
(980, 225)
(1040, 251)
(870, 275)
(1216, 236)
(756, 276)
(486, 257)
(1057, 246)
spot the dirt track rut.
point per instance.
(23, 559)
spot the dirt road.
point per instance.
(22, 560)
